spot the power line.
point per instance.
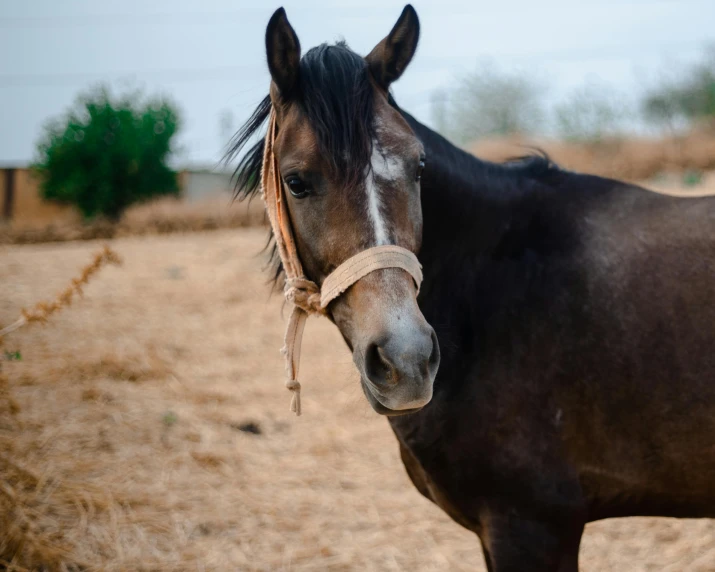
(580, 54)
(427, 63)
(167, 74)
(144, 19)
(430, 62)
(149, 18)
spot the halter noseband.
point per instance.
(306, 296)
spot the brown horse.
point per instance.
(575, 314)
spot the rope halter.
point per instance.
(304, 295)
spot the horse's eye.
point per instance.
(297, 188)
(420, 169)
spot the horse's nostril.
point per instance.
(378, 368)
(434, 356)
(411, 358)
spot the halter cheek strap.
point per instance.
(306, 296)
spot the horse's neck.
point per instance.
(474, 212)
(464, 214)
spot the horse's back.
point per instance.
(649, 336)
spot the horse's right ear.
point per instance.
(388, 60)
(283, 51)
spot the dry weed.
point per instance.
(36, 510)
(43, 310)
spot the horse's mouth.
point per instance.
(379, 408)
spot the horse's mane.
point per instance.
(335, 95)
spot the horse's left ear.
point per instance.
(388, 60)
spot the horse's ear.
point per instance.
(283, 51)
(391, 56)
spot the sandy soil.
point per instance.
(159, 400)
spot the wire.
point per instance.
(146, 19)
(172, 75)
(139, 19)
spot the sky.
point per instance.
(209, 55)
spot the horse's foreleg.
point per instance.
(514, 542)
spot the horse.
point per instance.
(557, 365)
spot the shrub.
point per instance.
(590, 113)
(106, 154)
(689, 98)
(489, 102)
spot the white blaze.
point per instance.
(386, 169)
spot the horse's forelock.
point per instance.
(337, 98)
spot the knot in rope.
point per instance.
(293, 385)
(305, 294)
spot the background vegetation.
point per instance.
(492, 102)
(107, 153)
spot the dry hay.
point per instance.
(152, 432)
(630, 159)
(161, 216)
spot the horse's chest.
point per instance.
(430, 485)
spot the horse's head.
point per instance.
(351, 166)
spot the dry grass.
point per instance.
(161, 216)
(42, 311)
(152, 432)
(31, 525)
(630, 159)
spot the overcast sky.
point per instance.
(208, 55)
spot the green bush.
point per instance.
(106, 154)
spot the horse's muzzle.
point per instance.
(398, 369)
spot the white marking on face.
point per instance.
(385, 168)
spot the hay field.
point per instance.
(149, 430)
(162, 215)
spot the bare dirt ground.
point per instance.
(154, 422)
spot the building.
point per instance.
(22, 204)
(22, 201)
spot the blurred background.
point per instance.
(627, 85)
(146, 427)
